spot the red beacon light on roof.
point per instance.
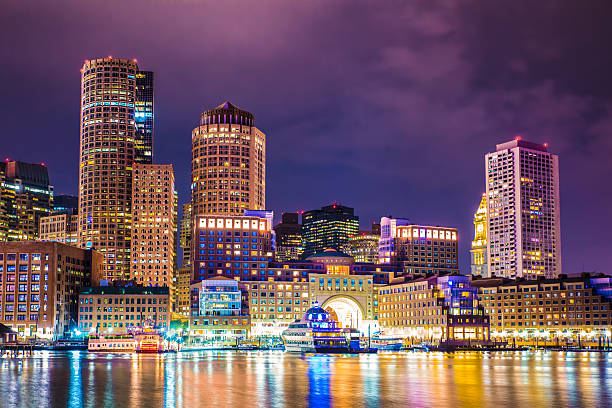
(517, 138)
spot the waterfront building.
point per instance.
(185, 234)
(387, 251)
(289, 243)
(180, 286)
(144, 114)
(41, 281)
(61, 227)
(434, 308)
(65, 204)
(228, 163)
(26, 196)
(107, 134)
(237, 247)
(479, 251)
(273, 305)
(564, 307)
(153, 229)
(421, 249)
(363, 247)
(523, 229)
(115, 309)
(328, 228)
(219, 310)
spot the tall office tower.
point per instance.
(144, 113)
(105, 163)
(479, 249)
(235, 246)
(228, 168)
(65, 204)
(424, 249)
(3, 212)
(523, 228)
(388, 233)
(26, 197)
(153, 233)
(185, 234)
(289, 243)
(328, 228)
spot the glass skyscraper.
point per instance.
(144, 111)
(328, 228)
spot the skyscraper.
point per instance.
(289, 243)
(25, 197)
(328, 228)
(144, 111)
(228, 163)
(185, 234)
(153, 232)
(106, 158)
(479, 249)
(524, 232)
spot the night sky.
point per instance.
(385, 106)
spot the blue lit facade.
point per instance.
(143, 117)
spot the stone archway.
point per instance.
(345, 310)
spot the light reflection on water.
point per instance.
(215, 378)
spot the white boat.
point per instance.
(114, 343)
(316, 332)
(381, 342)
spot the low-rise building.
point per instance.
(182, 280)
(565, 307)
(39, 286)
(275, 304)
(115, 309)
(442, 309)
(219, 311)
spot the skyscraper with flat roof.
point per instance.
(228, 168)
(523, 228)
(144, 111)
(25, 197)
(328, 228)
(108, 130)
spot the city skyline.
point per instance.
(447, 188)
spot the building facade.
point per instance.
(438, 309)
(180, 288)
(363, 247)
(273, 305)
(328, 228)
(388, 234)
(236, 247)
(144, 114)
(105, 161)
(228, 163)
(153, 229)
(59, 228)
(40, 286)
(479, 251)
(25, 196)
(422, 249)
(185, 234)
(219, 310)
(114, 309)
(564, 307)
(289, 242)
(65, 204)
(524, 232)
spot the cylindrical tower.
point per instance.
(105, 162)
(228, 167)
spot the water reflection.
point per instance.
(277, 379)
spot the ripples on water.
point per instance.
(277, 379)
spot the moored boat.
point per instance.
(316, 332)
